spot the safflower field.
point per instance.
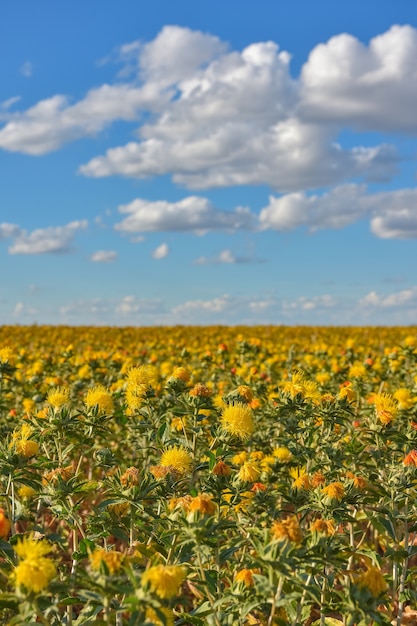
(208, 476)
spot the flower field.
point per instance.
(208, 476)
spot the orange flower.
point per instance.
(4, 525)
(287, 529)
(411, 458)
(335, 490)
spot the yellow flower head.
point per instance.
(34, 574)
(181, 373)
(58, 397)
(99, 396)
(202, 503)
(112, 560)
(287, 529)
(334, 490)
(164, 580)
(35, 570)
(245, 576)
(324, 526)
(301, 478)
(245, 392)
(374, 580)
(29, 548)
(347, 393)
(249, 472)
(23, 445)
(176, 459)
(237, 420)
(25, 492)
(7, 355)
(385, 407)
(152, 616)
(404, 398)
(141, 378)
(282, 454)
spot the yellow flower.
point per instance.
(35, 570)
(357, 370)
(287, 529)
(112, 559)
(249, 472)
(181, 373)
(34, 575)
(324, 526)
(237, 420)
(245, 392)
(404, 398)
(385, 407)
(164, 580)
(139, 380)
(23, 445)
(239, 459)
(176, 459)
(29, 405)
(300, 385)
(334, 490)
(245, 576)
(152, 616)
(282, 454)
(374, 580)
(347, 393)
(25, 492)
(301, 478)
(202, 503)
(58, 397)
(99, 396)
(6, 355)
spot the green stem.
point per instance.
(208, 592)
(275, 599)
(405, 566)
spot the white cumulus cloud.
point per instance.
(54, 239)
(104, 256)
(222, 117)
(392, 214)
(161, 251)
(192, 214)
(372, 87)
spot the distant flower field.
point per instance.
(208, 476)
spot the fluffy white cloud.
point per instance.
(222, 117)
(55, 239)
(161, 251)
(213, 135)
(226, 256)
(127, 310)
(406, 298)
(373, 87)
(104, 256)
(316, 303)
(52, 122)
(392, 214)
(7, 231)
(192, 214)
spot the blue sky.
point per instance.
(213, 162)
